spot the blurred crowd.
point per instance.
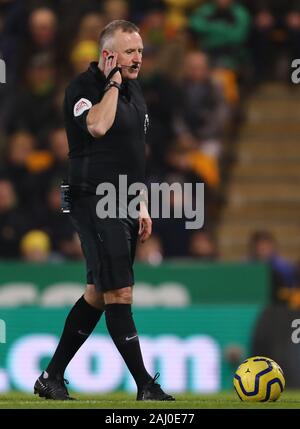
(200, 59)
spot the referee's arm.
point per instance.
(102, 115)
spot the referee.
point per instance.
(106, 121)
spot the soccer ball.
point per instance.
(259, 379)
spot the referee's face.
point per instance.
(129, 47)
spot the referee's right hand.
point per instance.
(109, 64)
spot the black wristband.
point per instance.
(112, 72)
(112, 83)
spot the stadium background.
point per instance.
(223, 111)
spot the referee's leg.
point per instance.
(94, 297)
(79, 324)
(121, 327)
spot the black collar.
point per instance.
(94, 69)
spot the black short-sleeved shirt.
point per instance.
(121, 150)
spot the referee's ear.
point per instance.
(105, 54)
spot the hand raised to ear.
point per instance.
(110, 62)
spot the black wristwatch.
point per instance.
(110, 84)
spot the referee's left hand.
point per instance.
(145, 223)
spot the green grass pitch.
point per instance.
(223, 400)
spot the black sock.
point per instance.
(122, 330)
(79, 324)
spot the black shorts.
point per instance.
(107, 244)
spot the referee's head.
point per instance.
(123, 38)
